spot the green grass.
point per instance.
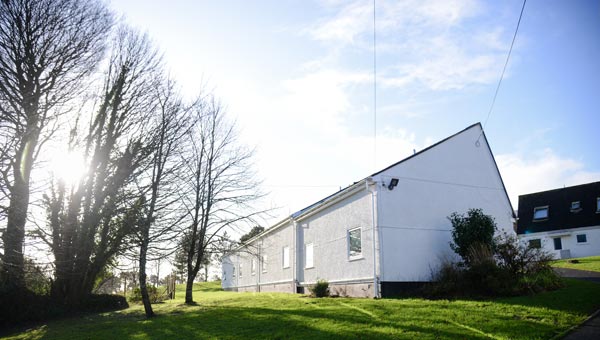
(591, 263)
(227, 315)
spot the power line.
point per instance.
(503, 71)
(374, 87)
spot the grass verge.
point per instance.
(591, 263)
(227, 315)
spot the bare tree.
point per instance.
(219, 185)
(47, 49)
(160, 213)
(90, 223)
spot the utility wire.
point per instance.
(503, 71)
(374, 88)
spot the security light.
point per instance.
(393, 183)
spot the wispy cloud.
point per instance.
(427, 43)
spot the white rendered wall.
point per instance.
(271, 272)
(453, 176)
(569, 241)
(328, 232)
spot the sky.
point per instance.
(297, 77)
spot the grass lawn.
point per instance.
(226, 315)
(591, 263)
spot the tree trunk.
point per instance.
(143, 288)
(13, 260)
(189, 299)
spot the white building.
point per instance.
(385, 233)
(565, 222)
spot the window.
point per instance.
(582, 238)
(233, 271)
(308, 256)
(557, 243)
(253, 267)
(286, 257)
(540, 213)
(240, 270)
(354, 242)
(535, 243)
(264, 263)
(598, 205)
(576, 206)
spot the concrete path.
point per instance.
(590, 329)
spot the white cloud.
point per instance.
(428, 43)
(524, 174)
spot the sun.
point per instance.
(68, 166)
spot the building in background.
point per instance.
(565, 222)
(381, 235)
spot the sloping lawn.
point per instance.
(226, 315)
(591, 263)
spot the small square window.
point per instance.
(582, 238)
(576, 206)
(540, 213)
(598, 205)
(535, 243)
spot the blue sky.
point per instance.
(297, 76)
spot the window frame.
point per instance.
(240, 267)
(539, 240)
(310, 246)
(348, 238)
(576, 209)
(597, 205)
(559, 245)
(543, 207)
(582, 242)
(264, 264)
(253, 267)
(285, 259)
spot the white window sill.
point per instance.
(356, 258)
(313, 267)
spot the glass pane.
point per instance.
(581, 238)
(286, 257)
(537, 243)
(264, 264)
(557, 243)
(540, 213)
(309, 255)
(354, 238)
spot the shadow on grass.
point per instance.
(242, 316)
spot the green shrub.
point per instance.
(475, 229)
(103, 303)
(509, 269)
(153, 293)
(320, 289)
